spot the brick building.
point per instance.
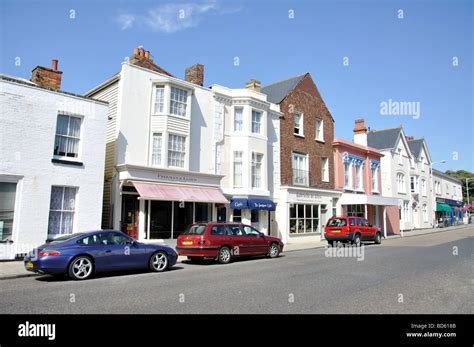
(307, 197)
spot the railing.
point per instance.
(300, 177)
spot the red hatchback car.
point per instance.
(223, 241)
(351, 229)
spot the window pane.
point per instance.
(67, 222)
(292, 211)
(57, 198)
(292, 226)
(54, 226)
(238, 119)
(74, 126)
(69, 202)
(62, 125)
(156, 152)
(159, 99)
(300, 211)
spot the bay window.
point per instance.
(256, 122)
(238, 118)
(257, 170)
(348, 179)
(156, 150)
(238, 169)
(178, 101)
(159, 99)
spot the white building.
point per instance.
(52, 149)
(395, 169)
(421, 184)
(448, 200)
(249, 154)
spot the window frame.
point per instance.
(62, 211)
(319, 128)
(255, 156)
(160, 153)
(170, 135)
(325, 176)
(177, 101)
(69, 137)
(241, 122)
(241, 162)
(300, 125)
(259, 123)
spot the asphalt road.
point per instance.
(423, 274)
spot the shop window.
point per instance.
(304, 218)
(183, 216)
(202, 212)
(160, 219)
(254, 216)
(237, 216)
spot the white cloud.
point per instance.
(170, 18)
(125, 21)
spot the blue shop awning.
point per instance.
(261, 204)
(239, 204)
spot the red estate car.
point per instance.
(351, 229)
(223, 241)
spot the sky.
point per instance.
(413, 55)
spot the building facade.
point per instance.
(52, 153)
(395, 169)
(161, 169)
(358, 174)
(449, 208)
(306, 198)
(248, 150)
(421, 184)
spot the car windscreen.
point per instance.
(337, 222)
(195, 230)
(65, 238)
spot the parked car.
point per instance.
(224, 241)
(81, 255)
(351, 229)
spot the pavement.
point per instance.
(16, 269)
(429, 274)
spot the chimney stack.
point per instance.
(254, 84)
(47, 77)
(195, 74)
(360, 132)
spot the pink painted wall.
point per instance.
(368, 153)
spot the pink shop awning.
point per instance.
(168, 192)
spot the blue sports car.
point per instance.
(81, 255)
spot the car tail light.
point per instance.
(47, 253)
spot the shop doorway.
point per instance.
(130, 212)
(221, 214)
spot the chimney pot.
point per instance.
(254, 84)
(135, 51)
(147, 54)
(410, 138)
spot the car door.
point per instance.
(254, 241)
(369, 230)
(360, 227)
(121, 252)
(236, 239)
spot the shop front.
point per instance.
(303, 213)
(160, 204)
(378, 210)
(253, 211)
(449, 212)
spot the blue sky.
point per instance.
(407, 59)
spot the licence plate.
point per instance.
(29, 265)
(336, 230)
(187, 243)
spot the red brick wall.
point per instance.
(305, 98)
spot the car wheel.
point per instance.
(378, 239)
(81, 268)
(356, 241)
(273, 250)
(224, 256)
(159, 262)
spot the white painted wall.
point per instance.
(28, 119)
